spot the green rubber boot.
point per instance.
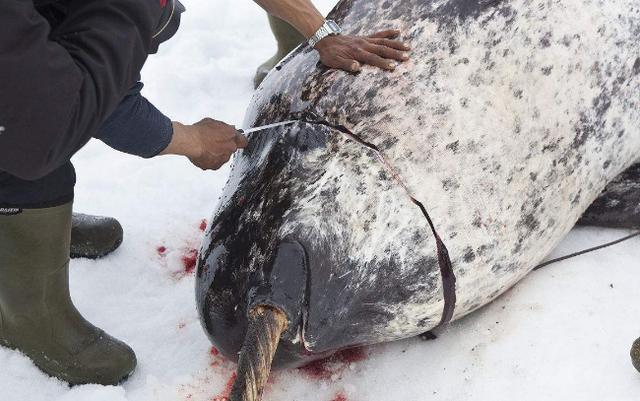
(37, 316)
(288, 39)
(94, 237)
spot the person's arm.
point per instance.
(137, 127)
(208, 144)
(58, 86)
(345, 52)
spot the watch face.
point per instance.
(333, 26)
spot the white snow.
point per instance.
(562, 334)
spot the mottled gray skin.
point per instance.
(508, 122)
(308, 185)
(619, 204)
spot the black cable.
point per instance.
(596, 248)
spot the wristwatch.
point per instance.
(329, 28)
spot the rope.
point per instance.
(589, 250)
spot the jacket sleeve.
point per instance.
(57, 87)
(136, 126)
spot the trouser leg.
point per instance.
(55, 189)
(37, 315)
(288, 39)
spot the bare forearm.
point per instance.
(301, 14)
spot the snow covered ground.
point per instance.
(561, 334)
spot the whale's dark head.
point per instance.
(312, 224)
(245, 260)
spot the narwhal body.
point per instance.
(403, 200)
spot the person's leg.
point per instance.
(94, 237)
(288, 39)
(91, 236)
(37, 315)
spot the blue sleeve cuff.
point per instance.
(137, 127)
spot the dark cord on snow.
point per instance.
(580, 253)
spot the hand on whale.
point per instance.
(345, 52)
(348, 52)
(208, 144)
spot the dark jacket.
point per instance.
(58, 85)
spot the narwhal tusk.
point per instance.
(266, 324)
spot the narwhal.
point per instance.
(401, 201)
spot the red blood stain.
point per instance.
(224, 396)
(317, 370)
(189, 260)
(189, 256)
(217, 359)
(339, 397)
(351, 355)
(324, 369)
(273, 380)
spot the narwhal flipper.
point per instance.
(619, 204)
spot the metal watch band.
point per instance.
(327, 29)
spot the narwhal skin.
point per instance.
(619, 204)
(507, 123)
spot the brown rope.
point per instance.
(266, 325)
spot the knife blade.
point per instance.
(265, 127)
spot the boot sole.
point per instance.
(96, 256)
(5, 344)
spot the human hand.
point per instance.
(208, 143)
(348, 52)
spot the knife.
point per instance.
(265, 127)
